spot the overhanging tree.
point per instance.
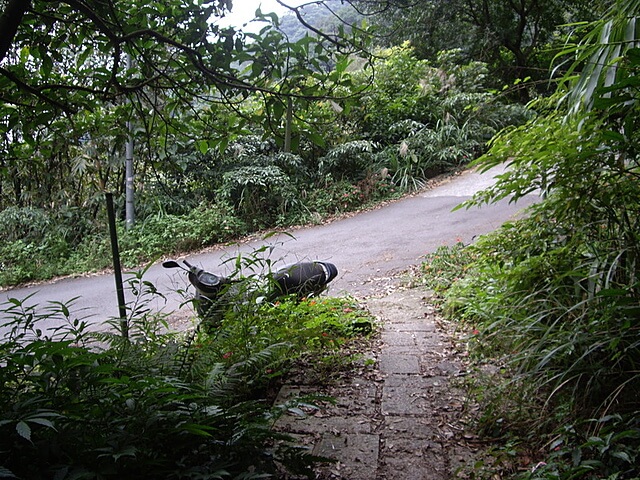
(64, 59)
(69, 55)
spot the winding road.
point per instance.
(365, 247)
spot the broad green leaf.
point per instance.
(42, 421)
(25, 52)
(317, 139)
(6, 473)
(277, 108)
(203, 146)
(624, 456)
(23, 430)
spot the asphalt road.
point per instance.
(365, 247)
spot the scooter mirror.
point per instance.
(171, 264)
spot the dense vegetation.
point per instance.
(554, 298)
(517, 40)
(416, 119)
(235, 132)
(84, 404)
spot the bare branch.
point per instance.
(296, 11)
(34, 91)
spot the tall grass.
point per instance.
(556, 304)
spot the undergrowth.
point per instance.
(548, 313)
(138, 401)
(47, 253)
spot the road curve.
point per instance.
(364, 247)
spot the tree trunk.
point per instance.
(288, 126)
(10, 20)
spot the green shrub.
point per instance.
(24, 261)
(156, 405)
(446, 266)
(606, 447)
(404, 88)
(349, 161)
(258, 194)
(165, 234)
(92, 254)
(340, 197)
(23, 223)
(544, 299)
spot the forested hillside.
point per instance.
(308, 127)
(205, 133)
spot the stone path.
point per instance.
(400, 419)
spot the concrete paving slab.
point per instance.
(417, 382)
(359, 401)
(392, 338)
(413, 427)
(399, 363)
(402, 395)
(405, 455)
(427, 343)
(402, 466)
(325, 423)
(418, 325)
(402, 350)
(356, 455)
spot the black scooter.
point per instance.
(215, 294)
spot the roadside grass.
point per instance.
(555, 359)
(50, 254)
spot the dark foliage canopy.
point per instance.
(515, 38)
